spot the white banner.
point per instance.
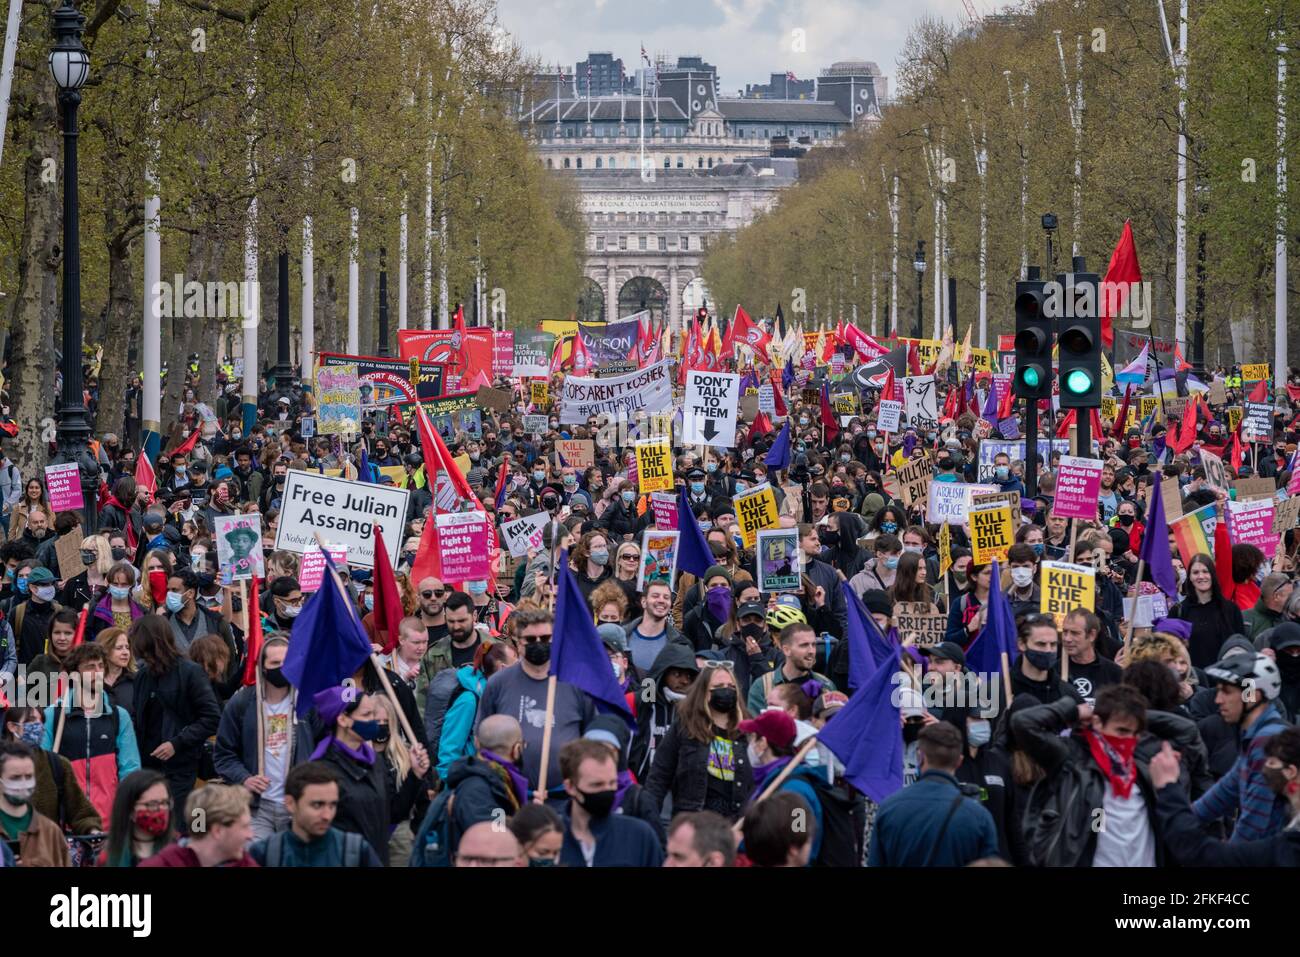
(343, 512)
(621, 397)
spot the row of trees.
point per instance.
(997, 92)
(312, 109)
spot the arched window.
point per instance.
(613, 163)
(680, 163)
(599, 163)
(579, 163)
(699, 162)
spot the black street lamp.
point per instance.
(282, 371)
(918, 263)
(70, 65)
(383, 301)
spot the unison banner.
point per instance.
(609, 341)
(646, 390)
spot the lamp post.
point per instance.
(918, 263)
(383, 302)
(70, 66)
(282, 371)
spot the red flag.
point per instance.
(427, 563)
(254, 637)
(1063, 426)
(80, 636)
(1259, 393)
(828, 346)
(582, 361)
(830, 427)
(388, 602)
(761, 426)
(913, 358)
(950, 403)
(1117, 430)
(887, 390)
(186, 447)
(866, 347)
(1187, 428)
(1180, 364)
(459, 341)
(1122, 271)
(145, 476)
(437, 458)
(1293, 391)
(1236, 449)
(1006, 405)
(749, 333)
(778, 399)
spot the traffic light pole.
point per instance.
(1031, 448)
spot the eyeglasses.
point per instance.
(163, 805)
(508, 516)
(534, 639)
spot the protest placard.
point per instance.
(950, 501)
(63, 482)
(1218, 394)
(709, 408)
(463, 546)
(498, 400)
(914, 481)
(1251, 523)
(1286, 514)
(654, 464)
(1258, 425)
(920, 623)
(1250, 489)
(535, 424)
(538, 394)
(1216, 476)
(645, 390)
(888, 414)
(343, 512)
(1065, 587)
(532, 353)
(338, 394)
(664, 505)
(1234, 417)
(755, 510)
(524, 533)
(578, 453)
(1171, 498)
(1254, 372)
(989, 499)
(991, 534)
(1078, 485)
(239, 545)
(67, 553)
(780, 560)
(766, 399)
(311, 569)
(658, 558)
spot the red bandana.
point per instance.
(1115, 758)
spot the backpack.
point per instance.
(1054, 830)
(443, 691)
(432, 845)
(351, 849)
(843, 823)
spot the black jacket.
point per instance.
(122, 692)
(366, 803)
(846, 555)
(990, 771)
(655, 717)
(480, 790)
(1182, 735)
(681, 767)
(826, 576)
(29, 634)
(1191, 846)
(620, 520)
(1212, 622)
(189, 714)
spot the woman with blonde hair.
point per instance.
(158, 559)
(119, 670)
(97, 558)
(396, 758)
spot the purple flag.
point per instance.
(1155, 543)
(693, 552)
(865, 735)
(868, 648)
(577, 654)
(984, 656)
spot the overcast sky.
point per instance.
(745, 39)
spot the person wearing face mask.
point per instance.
(591, 562)
(189, 621)
(32, 617)
(879, 572)
(697, 492)
(670, 677)
(702, 623)
(285, 742)
(59, 794)
(284, 604)
(1185, 836)
(1003, 476)
(368, 803)
(116, 514)
(1036, 669)
(540, 832)
(1023, 590)
(40, 841)
(840, 536)
(620, 516)
(593, 835)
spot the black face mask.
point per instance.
(275, 677)
(598, 804)
(828, 537)
(911, 730)
(1289, 665)
(119, 554)
(755, 631)
(537, 653)
(1126, 520)
(723, 699)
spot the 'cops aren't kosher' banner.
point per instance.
(646, 390)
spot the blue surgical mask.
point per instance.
(844, 456)
(369, 602)
(570, 481)
(628, 497)
(476, 588)
(979, 733)
(22, 586)
(741, 487)
(704, 524)
(1038, 548)
(890, 527)
(711, 467)
(697, 488)
(891, 562)
(175, 601)
(539, 476)
(32, 732)
(119, 592)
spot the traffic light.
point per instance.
(702, 314)
(1078, 337)
(1033, 378)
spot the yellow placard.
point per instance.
(463, 463)
(539, 393)
(945, 548)
(1234, 417)
(991, 533)
(1109, 407)
(755, 511)
(654, 465)
(981, 360)
(1254, 372)
(1066, 587)
(395, 472)
(1149, 405)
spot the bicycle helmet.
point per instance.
(1250, 672)
(782, 616)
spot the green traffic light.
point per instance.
(1030, 377)
(1078, 381)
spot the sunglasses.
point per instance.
(430, 594)
(724, 665)
(508, 516)
(629, 557)
(534, 639)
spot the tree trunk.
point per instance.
(35, 313)
(123, 314)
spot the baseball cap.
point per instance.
(39, 575)
(751, 608)
(776, 726)
(613, 636)
(829, 702)
(1285, 635)
(946, 651)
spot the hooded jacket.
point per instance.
(655, 717)
(845, 554)
(456, 740)
(480, 787)
(235, 753)
(1260, 812)
(101, 748)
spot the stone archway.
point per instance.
(591, 302)
(642, 292)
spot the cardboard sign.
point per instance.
(1254, 372)
(1251, 523)
(343, 512)
(1078, 486)
(67, 549)
(951, 501)
(922, 402)
(646, 390)
(709, 409)
(654, 465)
(498, 400)
(780, 560)
(1286, 515)
(1010, 499)
(535, 424)
(888, 414)
(992, 533)
(463, 546)
(1149, 404)
(1065, 587)
(63, 482)
(524, 533)
(1171, 497)
(748, 406)
(766, 399)
(307, 427)
(945, 549)
(1175, 407)
(920, 623)
(755, 511)
(579, 453)
(1258, 425)
(658, 558)
(311, 570)
(239, 545)
(664, 505)
(914, 481)
(1250, 489)
(1234, 417)
(1218, 394)
(1216, 476)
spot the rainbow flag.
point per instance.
(1194, 533)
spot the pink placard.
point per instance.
(1251, 523)
(665, 510)
(503, 354)
(311, 570)
(64, 485)
(1078, 484)
(463, 546)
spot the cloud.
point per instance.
(745, 39)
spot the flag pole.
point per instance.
(1006, 676)
(1132, 611)
(261, 723)
(777, 781)
(540, 794)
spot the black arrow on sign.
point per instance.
(710, 429)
